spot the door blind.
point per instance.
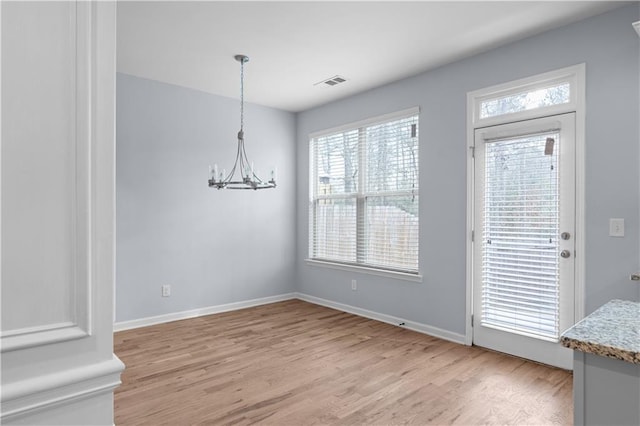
(520, 270)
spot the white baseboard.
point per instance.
(401, 322)
(144, 322)
(411, 325)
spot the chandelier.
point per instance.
(246, 176)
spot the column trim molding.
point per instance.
(28, 396)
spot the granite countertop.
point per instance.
(613, 331)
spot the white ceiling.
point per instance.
(293, 45)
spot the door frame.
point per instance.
(575, 75)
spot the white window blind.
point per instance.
(520, 246)
(364, 194)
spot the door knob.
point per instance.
(565, 253)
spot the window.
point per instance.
(529, 99)
(541, 95)
(364, 194)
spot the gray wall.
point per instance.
(173, 229)
(213, 247)
(610, 48)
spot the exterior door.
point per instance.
(524, 233)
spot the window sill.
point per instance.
(365, 270)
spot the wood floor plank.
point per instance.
(295, 363)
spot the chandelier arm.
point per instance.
(238, 160)
(228, 179)
(244, 164)
(246, 158)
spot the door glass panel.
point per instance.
(520, 248)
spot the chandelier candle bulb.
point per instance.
(215, 171)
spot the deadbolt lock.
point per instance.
(565, 253)
(565, 235)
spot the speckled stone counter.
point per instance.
(611, 331)
(606, 365)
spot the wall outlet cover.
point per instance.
(616, 227)
(166, 290)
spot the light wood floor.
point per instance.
(295, 363)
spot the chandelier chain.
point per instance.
(242, 95)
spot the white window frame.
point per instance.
(565, 75)
(575, 76)
(362, 268)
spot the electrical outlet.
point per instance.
(166, 290)
(354, 285)
(616, 227)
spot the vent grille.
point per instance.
(336, 79)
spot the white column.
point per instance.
(58, 210)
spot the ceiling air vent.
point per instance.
(336, 79)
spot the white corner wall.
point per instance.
(58, 190)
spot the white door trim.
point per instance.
(576, 74)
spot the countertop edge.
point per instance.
(601, 350)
